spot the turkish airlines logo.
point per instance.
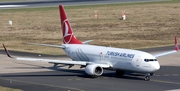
(67, 33)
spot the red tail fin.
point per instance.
(176, 44)
(68, 36)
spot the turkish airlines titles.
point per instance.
(125, 55)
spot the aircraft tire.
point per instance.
(147, 78)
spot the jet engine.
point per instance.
(94, 70)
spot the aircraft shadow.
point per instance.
(61, 72)
(70, 73)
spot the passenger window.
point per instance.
(146, 60)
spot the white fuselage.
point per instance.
(118, 58)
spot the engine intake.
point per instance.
(94, 70)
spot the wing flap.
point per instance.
(53, 61)
(84, 63)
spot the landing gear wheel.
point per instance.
(119, 73)
(147, 78)
(151, 74)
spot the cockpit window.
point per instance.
(147, 60)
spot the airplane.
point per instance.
(97, 58)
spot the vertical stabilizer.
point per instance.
(68, 36)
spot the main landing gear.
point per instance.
(119, 73)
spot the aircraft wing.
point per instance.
(164, 53)
(82, 63)
(176, 48)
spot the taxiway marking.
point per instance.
(42, 84)
(78, 79)
(174, 90)
(168, 75)
(10, 6)
(169, 82)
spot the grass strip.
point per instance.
(152, 24)
(8, 89)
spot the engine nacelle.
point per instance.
(94, 70)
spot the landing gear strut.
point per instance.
(55, 65)
(147, 77)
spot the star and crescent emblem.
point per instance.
(67, 36)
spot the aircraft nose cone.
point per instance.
(156, 66)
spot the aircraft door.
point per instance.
(138, 61)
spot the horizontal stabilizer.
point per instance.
(86, 42)
(55, 46)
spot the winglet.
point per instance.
(7, 53)
(176, 44)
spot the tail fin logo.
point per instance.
(67, 36)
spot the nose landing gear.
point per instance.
(147, 77)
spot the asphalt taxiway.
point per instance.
(46, 3)
(38, 76)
